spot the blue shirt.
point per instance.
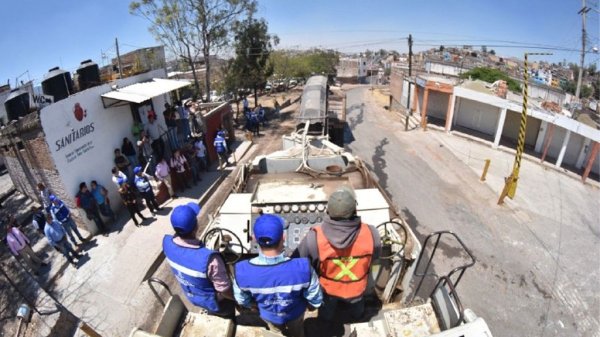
(97, 193)
(54, 232)
(313, 293)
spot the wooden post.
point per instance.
(547, 142)
(424, 110)
(590, 162)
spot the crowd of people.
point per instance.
(329, 268)
(255, 118)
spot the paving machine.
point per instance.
(405, 297)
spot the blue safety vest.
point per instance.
(142, 184)
(219, 144)
(277, 289)
(190, 266)
(60, 211)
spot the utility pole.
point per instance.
(409, 110)
(119, 58)
(583, 11)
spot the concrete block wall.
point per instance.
(33, 164)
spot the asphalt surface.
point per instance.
(537, 270)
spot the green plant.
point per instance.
(492, 75)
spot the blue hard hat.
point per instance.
(137, 169)
(221, 133)
(268, 229)
(120, 181)
(183, 217)
(52, 197)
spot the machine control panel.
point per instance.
(299, 218)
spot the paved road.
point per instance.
(538, 261)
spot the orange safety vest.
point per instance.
(343, 272)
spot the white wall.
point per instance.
(444, 69)
(90, 156)
(573, 149)
(546, 94)
(404, 98)
(438, 104)
(556, 143)
(477, 116)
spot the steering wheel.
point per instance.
(385, 229)
(223, 240)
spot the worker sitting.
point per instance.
(281, 287)
(200, 271)
(342, 250)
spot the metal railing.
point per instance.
(460, 270)
(151, 282)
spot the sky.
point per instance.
(38, 35)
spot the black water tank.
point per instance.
(57, 83)
(88, 75)
(17, 104)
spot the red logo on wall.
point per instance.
(79, 112)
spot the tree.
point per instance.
(170, 28)
(592, 69)
(194, 26)
(253, 46)
(441, 48)
(493, 52)
(303, 64)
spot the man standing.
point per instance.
(61, 213)
(200, 271)
(116, 174)
(39, 219)
(201, 154)
(145, 149)
(281, 287)
(221, 147)
(101, 195)
(122, 162)
(19, 246)
(142, 182)
(57, 238)
(44, 196)
(342, 250)
(130, 201)
(245, 104)
(89, 205)
(171, 121)
(154, 131)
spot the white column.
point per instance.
(582, 153)
(450, 115)
(563, 149)
(499, 128)
(456, 110)
(539, 143)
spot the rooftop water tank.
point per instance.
(57, 83)
(88, 75)
(17, 104)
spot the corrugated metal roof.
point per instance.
(140, 92)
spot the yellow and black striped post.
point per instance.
(510, 183)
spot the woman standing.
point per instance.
(179, 165)
(129, 199)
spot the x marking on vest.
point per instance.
(345, 264)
